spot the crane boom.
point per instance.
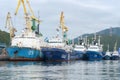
(61, 19)
(62, 23)
(19, 3)
(8, 19)
(63, 27)
(30, 8)
(29, 26)
(9, 25)
(25, 10)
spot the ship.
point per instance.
(27, 45)
(115, 54)
(94, 51)
(80, 48)
(59, 48)
(58, 54)
(107, 55)
(55, 54)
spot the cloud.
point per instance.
(81, 16)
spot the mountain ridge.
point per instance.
(108, 36)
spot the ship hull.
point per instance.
(78, 55)
(92, 56)
(115, 57)
(23, 53)
(106, 57)
(55, 54)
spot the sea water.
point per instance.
(72, 70)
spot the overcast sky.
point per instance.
(81, 16)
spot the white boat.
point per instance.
(56, 43)
(80, 48)
(115, 54)
(107, 54)
(96, 48)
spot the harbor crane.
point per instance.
(9, 25)
(63, 27)
(28, 18)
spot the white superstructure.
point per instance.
(28, 40)
(115, 53)
(81, 48)
(108, 53)
(96, 48)
(56, 43)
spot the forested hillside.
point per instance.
(108, 36)
(4, 37)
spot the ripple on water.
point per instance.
(75, 70)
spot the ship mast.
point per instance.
(115, 46)
(108, 48)
(99, 40)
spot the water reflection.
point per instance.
(74, 70)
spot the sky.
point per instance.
(81, 16)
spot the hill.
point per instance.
(108, 36)
(4, 37)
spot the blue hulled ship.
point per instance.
(94, 51)
(92, 55)
(80, 48)
(59, 48)
(115, 55)
(27, 45)
(56, 54)
(24, 53)
(107, 55)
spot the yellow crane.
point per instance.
(62, 23)
(9, 25)
(63, 27)
(28, 19)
